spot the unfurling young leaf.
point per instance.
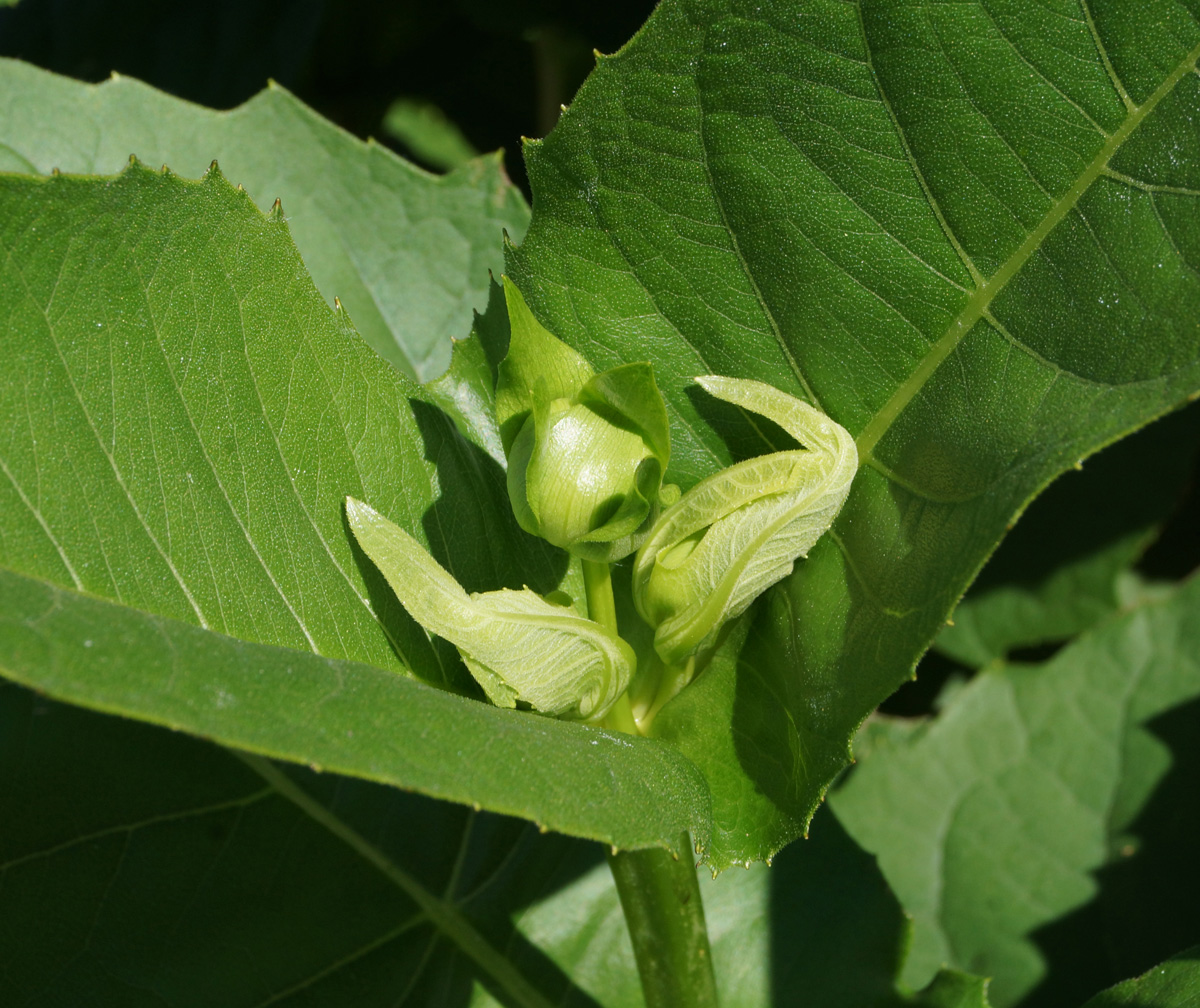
(518, 646)
(736, 533)
(586, 452)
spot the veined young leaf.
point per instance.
(736, 533)
(967, 233)
(516, 644)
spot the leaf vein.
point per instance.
(446, 917)
(980, 301)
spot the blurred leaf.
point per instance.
(182, 419)
(951, 989)
(424, 129)
(406, 252)
(1061, 569)
(968, 234)
(988, 823)
(1173, 984)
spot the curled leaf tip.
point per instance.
(518, 646)
(736, 533)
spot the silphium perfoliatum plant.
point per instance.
(586, 451)
(517, 645)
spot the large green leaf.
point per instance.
(966, 231)
(1172, 984)
(989, 823)
(406, 252)
(182, 419)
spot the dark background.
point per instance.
(499, 69)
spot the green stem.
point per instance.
(597, 585)
(661, 899)
(659, 892)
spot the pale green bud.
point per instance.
(736, 533)
(586, 452)
(518, 646)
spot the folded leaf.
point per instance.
(586, 452)
(736, 533)
(517, 645)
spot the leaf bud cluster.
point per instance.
(586, 452)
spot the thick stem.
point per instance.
(659, 892)
(665, 915)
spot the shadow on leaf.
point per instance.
(1145, 909)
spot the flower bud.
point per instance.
(736, 533)
(518, 646)
(586, 452)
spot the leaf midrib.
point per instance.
(980, 301)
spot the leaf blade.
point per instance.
(407, 252)
(344, 717)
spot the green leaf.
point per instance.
(1065, 565)
(466, 393)
(406, 252)
(426, 131)
(988, 824)
(1173, 984)
(182, 419)
(144, 868)
(976, 254)
(951, 989)
(344, 716)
